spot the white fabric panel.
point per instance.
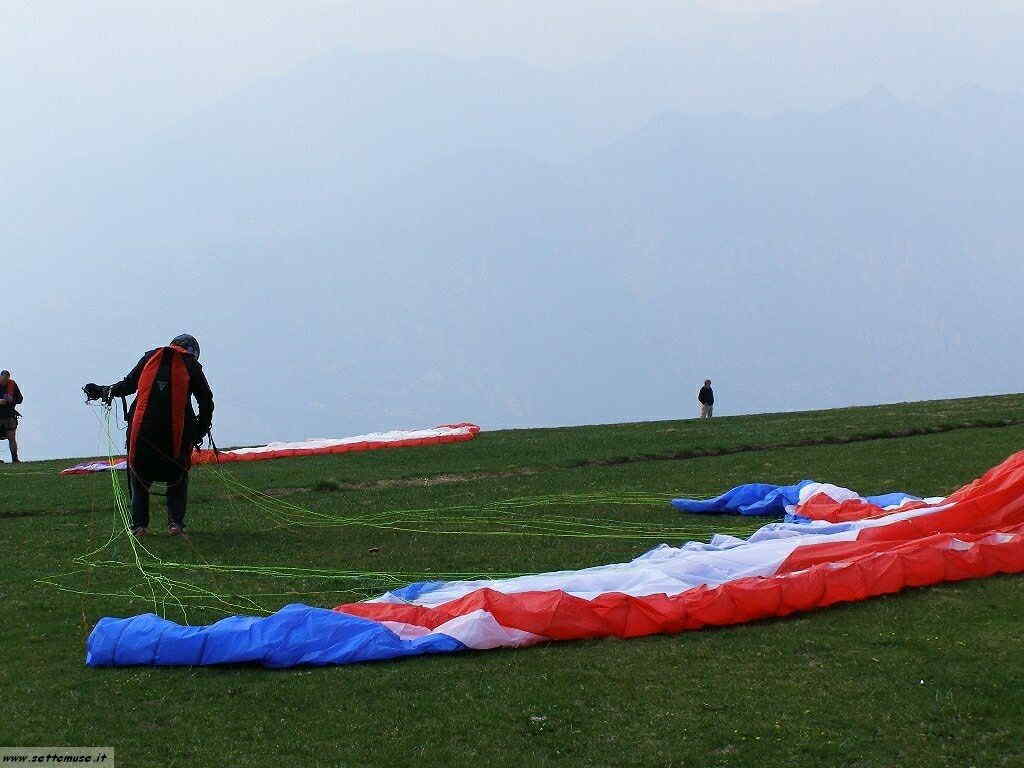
(393, 436)
(406, 631)
(665, 570)
(834, 492)
(480, 631)
(671, 570)
(101, 466)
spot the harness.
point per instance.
(11, 388)
(156, 449)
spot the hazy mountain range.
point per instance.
(374, 241)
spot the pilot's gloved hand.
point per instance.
(96, 392)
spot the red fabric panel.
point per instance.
(559, 616)
(1002, 479)
(209, 457)
(822, 507)
(179, 400)
(142, 399)
(981, 533)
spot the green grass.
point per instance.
(841, 686)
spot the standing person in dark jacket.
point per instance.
(10, 397)
(706, 398)
(162, 426)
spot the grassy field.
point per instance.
(928, 677)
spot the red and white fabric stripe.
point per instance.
(399, 438)
(781, 569)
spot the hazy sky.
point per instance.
(195, 50)
(350, 200)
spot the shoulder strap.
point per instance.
(142, 396)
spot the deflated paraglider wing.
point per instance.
(847, 549)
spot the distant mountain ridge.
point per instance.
(411, 240)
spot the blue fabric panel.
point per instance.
(890, 499)
(417, 588)
(295, 635)
(749, 499)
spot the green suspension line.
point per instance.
(163, 583)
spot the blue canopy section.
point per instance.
(890, 499)
(417, 588)
(295, 635)
(749, 499)
(767, 499)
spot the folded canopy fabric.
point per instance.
(748, 499)
(451, 433)
(777, 500)
(842, 548)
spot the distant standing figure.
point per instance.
(10, 396)
(706, 398)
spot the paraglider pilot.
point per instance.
(162, 426)
(10, 396)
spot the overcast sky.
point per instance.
(285, 179)
(193, 51)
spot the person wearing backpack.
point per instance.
(10, 397)
(163, 428)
